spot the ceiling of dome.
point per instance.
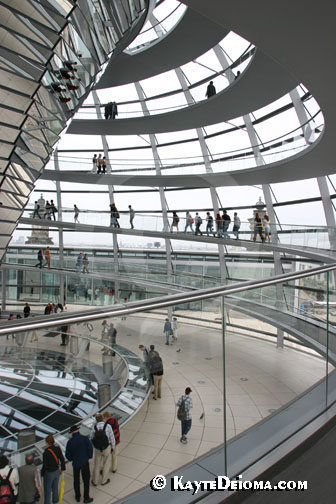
(192, 36)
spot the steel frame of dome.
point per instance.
(211, 18)
(217, 15)
(247, 19)
(51, 54)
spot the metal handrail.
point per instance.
(296, 228)
(161, 302)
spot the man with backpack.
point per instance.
(53, 209)
(226, 223)
(116, 431)
(9, 480)
(209, 226)
(156, 370)
(183, 414)
(103, 441)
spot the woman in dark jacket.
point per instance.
(53, 466)
(219, 225)
(39, 258)
(258, 228)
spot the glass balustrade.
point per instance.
(277, 149)
(61, 376)
(314, 237)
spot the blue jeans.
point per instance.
(185, 426)
(209, 228)
(167, 337)
(50, 486)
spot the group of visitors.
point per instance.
(153, 360)
(170, 329)
(219, 226)
(154, 363)
(51, 308)
(50, 210)
(82, 263)
(262, 227)
(21, 484)
(99, 164)
(155, 366)
(102, 445)
(40, 258)
(114, 216)
(110, 110)
(68, 74)
(24, 484)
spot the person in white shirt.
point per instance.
(174, 328)
(267, 228)
(105, 334)
(198, 223)
(189, 222)
(236, 225)
(14, 476)
(94, 164)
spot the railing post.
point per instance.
(3, 289)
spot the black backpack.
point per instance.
(182, 412)
(100, 440)
(6, 490)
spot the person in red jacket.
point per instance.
(115, 427)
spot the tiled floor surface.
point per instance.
(259, 379)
